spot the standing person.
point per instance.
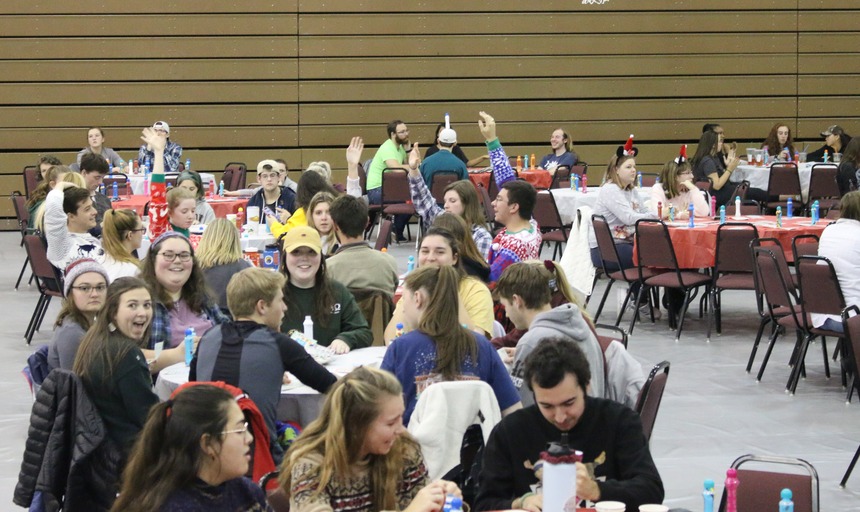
(357, 456)
(204, 447)
(93, 169)
(609, 435)
(840, 243)
(456, 150)
(191, 181)
(219, 255)
(444, 159)
(779, 144)
(111, 365)
(320, 219)
(676, 188)
(172, 152)
(356, 264)
(708, 165)
(85, 288)
(847, 177)
(835, 141)
(279, 200)
(338, 322)
(391, 155)
(521, 238)
(251, 353)
(95, 145)
(69, 214)
(433, 350)
(122, 235)
(562, 152)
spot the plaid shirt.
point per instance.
(161, 322)
(426, 207)
(172, 155)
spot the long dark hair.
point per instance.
(851, 152)
(456, 225)
(93, 353)
(167, 455)
(707, 147)
(194, 291)
(309, 185)
(453, 342)
(324, 292)
(772, 141)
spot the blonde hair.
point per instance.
(249, 286)
(322, 168)
(612, 170)
(337, 435)
(178, 194)
(116, 227)
(219, 244)
(75, 178)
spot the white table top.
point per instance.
(568, 200)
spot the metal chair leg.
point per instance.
(21, 275)
(850, 468)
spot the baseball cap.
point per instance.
(302, 236)
(161, 125)
(448, 136)
(832, 130)
(271, 163)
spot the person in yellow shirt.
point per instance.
(309, 184)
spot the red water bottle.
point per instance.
(732, 483)
(211, 189)
(660, 210)
(584, 183)
(240, 218)
(713, 206)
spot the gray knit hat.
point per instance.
(80, 267)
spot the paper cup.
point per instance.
(231, 217)
(610, 506)
(253, 215)
(653, 508)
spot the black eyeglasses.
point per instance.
(86, 289)
(170, 256)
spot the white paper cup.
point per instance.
(653, 508)
(231, 217)
(253, 217)
(610, 506)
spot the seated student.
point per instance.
(473, 262)
(778, 143)
(69, 214)
(456, 150)
(85, 290)
(95, 145)
(181, 210)
(435, 349)
(461, 199)
(356, 264)
(219, 255)
(357, 456)
(65, 176)
(709, 164)
(609, 435)
(122, 235)
(439, 248)
(676, 188)
(521, 238)
(250, 352)
(111, 365)
(280, 200)
(835, 141)
(172, 152)
(37, 197)
(310, 184)
(847, 177)
(320, 219)
(562, 152)
(840, 243)
(46, 162)
(201, 461)
(93, 169)
(191, 181)
(338, 322)
(444, 160)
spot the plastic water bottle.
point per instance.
(779, 216)
(826, 156)
(584, 183)
(308, 327)
(789, 208)
(398, 332)
(410, 264)
(188, 164)
(519, 163)
(671, 212)
(532, 162)
(737, 207)
(722, 214)
(713, 206)
(732, 483)
(708, 495)
(691, 223)
(146, 185)
(189, 345)
(816, 212)
(456, 504)
(240, 218)
(221, 189)
(639, 179)
(785, 503)
(574, 182)
(660, 210)
(212, 189)
(114, 191)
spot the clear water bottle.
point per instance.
(639, 179)
(308, 327)
(188, 164)
(189, 345)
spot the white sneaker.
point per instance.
(645, 312)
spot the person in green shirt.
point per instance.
(392, 154)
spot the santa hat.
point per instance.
(627, 149)
(682, 156)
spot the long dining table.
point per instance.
(221, 206)
(539, 178)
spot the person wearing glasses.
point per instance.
(204, 450)
(180, 298)
(392, 154)
(279, 199)
(122, 235)
(85, 289)
(171, 154)
(112, 367)
(676, 188)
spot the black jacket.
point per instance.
(68, 458)
(287, 201)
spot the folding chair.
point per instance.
(760, 489)
(440, 182)
(234, 175)
(741, 191)
(783, 180)
(552, 228)
(276, 497)
(123, 187)
(851, 323)
(561, 175)
(22, 215)
(654, 235)
(31, 179)
(396, 198)
(170, 179)
(733, 266)
(47, 277)
(649, 179)
(750, 207)
(804, 245)
(383, 238)
(610, 261)
(650, 397)
(823, 187)
(487, 203)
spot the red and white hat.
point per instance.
(627, 149)
(682, 155)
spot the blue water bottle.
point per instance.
(574, 182)
(691, 222)
(779, 216)
(815, 212)
(221, 189)
(639, 179)
(708, 495)
(785, 503)
(188, 164)
(398, 332)
(410, 264)
(722, 214)
(189, 345)
(789, 208)
(114, 191)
